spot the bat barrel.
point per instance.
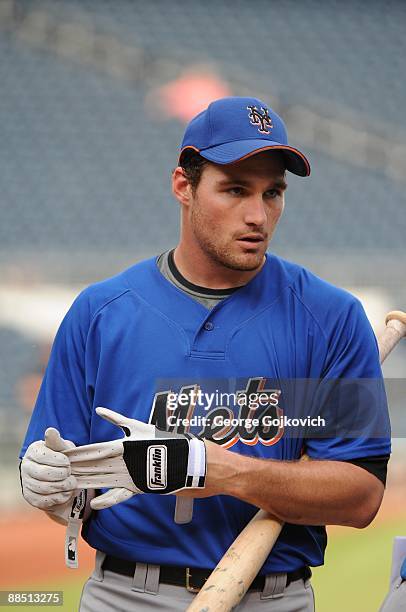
(227, 584)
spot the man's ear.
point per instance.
(181, 187)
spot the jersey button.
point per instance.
(208, 326)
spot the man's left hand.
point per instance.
(146, 460)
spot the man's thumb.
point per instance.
(130, 427)
(110, 498)
(54, 441)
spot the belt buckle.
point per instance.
(190, 587)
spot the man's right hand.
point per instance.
(46, 473)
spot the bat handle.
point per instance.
(395, 330)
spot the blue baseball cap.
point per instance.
(231, 129)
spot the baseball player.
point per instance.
(395, 600)
(156, 375)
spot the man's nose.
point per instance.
(255, 213)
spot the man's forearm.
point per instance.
(305, 492)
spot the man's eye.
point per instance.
(235, 190)
(271, 193)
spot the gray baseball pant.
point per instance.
(107, 591)
(395, 601)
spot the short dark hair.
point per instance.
(192, 165)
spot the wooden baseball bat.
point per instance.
(234, 573)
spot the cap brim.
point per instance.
(231, 152)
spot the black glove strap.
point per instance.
(157, 466)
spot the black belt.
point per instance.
(190, 577)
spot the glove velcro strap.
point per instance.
(196, 470)
(78, 505)
(161, 466)
(73, 529)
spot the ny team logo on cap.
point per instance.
(257, 118)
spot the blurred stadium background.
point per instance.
(94, 96)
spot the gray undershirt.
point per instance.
(200, 294)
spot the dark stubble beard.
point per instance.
(217, 253)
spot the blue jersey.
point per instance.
(132, 342)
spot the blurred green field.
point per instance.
(356, 573)
(355, 577)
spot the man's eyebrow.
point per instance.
(278, 183)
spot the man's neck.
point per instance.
(204, 272)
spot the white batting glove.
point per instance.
(146, 460)
(46, 477)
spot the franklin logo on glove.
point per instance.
(157, 467)
(146, 460)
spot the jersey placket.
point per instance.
(210, 339)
